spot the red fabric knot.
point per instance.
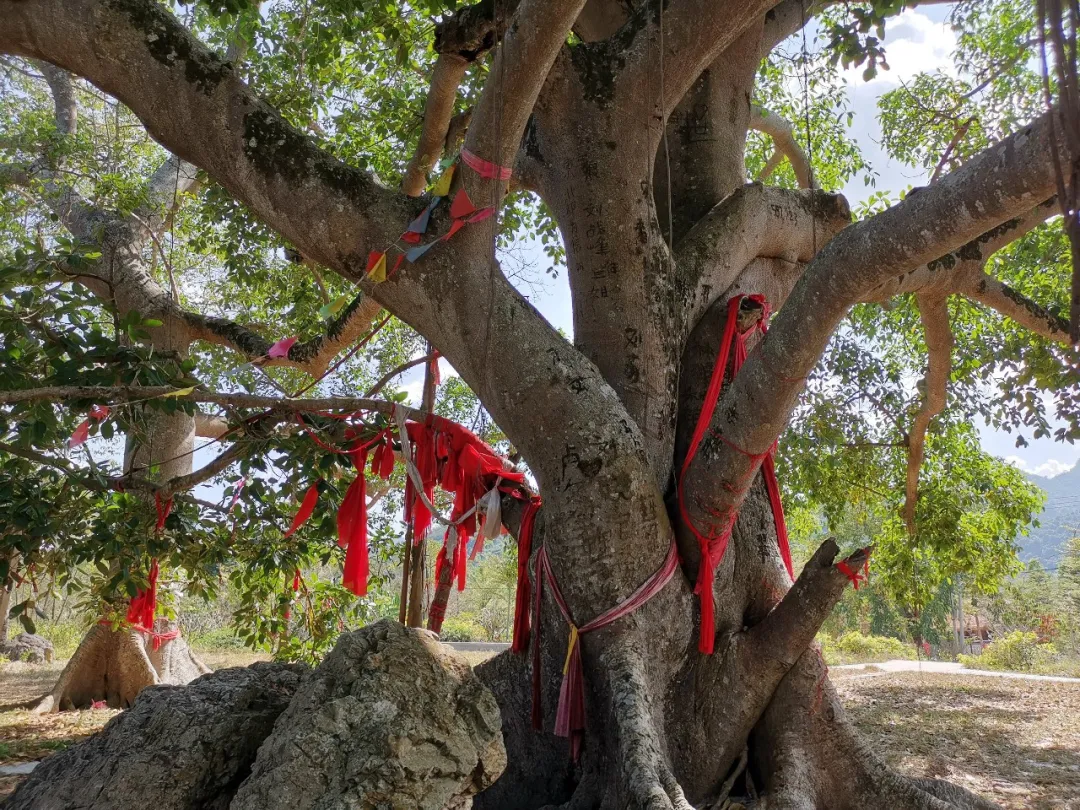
(856, 577)
(713, 546)
(485, 168)
(144, 604)
(570, 715)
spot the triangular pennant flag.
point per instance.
(82, 432)
(184, 392)
(376, 267)
(279, 349)
(410, 237)
(416, 252)
(448, 161)
(482, 214)
(442, 185)
(397, 264)
(462, 205)
(328, 311)
(420, 224)
(99, 412)
(455, 226)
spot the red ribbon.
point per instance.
(570, 715)
(485, 168)
(162, 510)
(855, 577)
(521, 601)
(144, 605)
(713, 546)
(352, 528)
(307, 506)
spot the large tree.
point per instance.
(630, 123)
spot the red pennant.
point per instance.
(281, 348)
(411, 238)
(80, 435)
(296, 581)
(307, 506)
(482, 214)
(99, 412)
(162, 509)
(462, 205)
(455, 226)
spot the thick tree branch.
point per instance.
(783, 137)
(63, 93)
(165, 186)
(210, 427)
(998, 295)
(313, 356)
(137, 393)
(438, 110)
(992, 188)
(934, 313)
(755, 222)
(947, 273)
(526, 53)
(791, 626)
(693, 32)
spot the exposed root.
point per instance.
(644, 775)
(812, 757)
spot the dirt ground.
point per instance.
(1015, 742)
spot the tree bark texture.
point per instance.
(642, 168)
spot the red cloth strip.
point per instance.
(521, 602)
(144, 605)
(570, 715)
(307, 506)
(163, 508)
(768, 470)
(485, 168)
(712, 547)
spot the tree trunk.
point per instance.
(114, 666)
(605, 424)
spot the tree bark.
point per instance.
(634, 140)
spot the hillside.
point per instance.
(1060, 520)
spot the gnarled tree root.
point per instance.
(812, 757)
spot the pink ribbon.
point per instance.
(570, 715)
(485, 168)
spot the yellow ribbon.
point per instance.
(570, 648)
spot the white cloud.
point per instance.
(1048, 469)
(913, 44)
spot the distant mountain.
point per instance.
(1060, 520)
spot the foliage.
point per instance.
(352, 75)
(1016, 652)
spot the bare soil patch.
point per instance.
(1015, 742)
